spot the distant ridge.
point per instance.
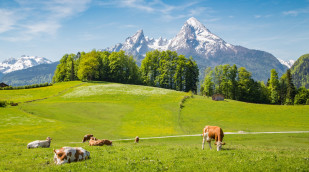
(33, 75)
(24, 62)
(207, 49)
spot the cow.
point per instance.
(96, 142)
(215, 133)
(40, 143)
(87, 137)
(136, 139)
(70, 154)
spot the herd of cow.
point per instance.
(74, 154)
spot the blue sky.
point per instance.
(55, 27)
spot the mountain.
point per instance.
(288, 64)
(24, 62)
(138, 45)
(300, 72)
(207, 49)
(32, 75)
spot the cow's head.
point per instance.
(59, 156)
(219, 145)
(87, 137)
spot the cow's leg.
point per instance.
(209, 145)
(204, 138)
(208, 139)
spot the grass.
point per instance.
(117, 111)
(23, 95)
(240, 116)
(270, 152)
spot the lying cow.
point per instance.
(215, 133)
(96, 142)
(70, 154)
(136, 139)
(87, 137)
(40, 143)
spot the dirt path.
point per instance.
(225, 133)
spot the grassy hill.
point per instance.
(67, 111)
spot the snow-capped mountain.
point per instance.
(24, 62)
(206, 48)
(139, 45)
(288, 64)
(195, 38)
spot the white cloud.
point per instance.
(165, 11)
(33, 18)
(7, 20)
(296, 12)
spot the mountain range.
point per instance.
(206, 48)
(13, 71)
(24, 62)
(33, 75)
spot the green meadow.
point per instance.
(67, 111)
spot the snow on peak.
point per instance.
(288, 63)
(24, 62)
(195, 23)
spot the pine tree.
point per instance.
(274, 86)
(291, 91)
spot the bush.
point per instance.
(3, 103)
(26, 86)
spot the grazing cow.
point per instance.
(87, 137)
(136, 139)
(215, 133)
(70, 154)
(96, 142)
(40, 143)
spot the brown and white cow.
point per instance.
(96, 142)
(213, 133)
(70, 154)
(87, 137)
(136, 139)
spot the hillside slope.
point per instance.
(300, 71)
(116, 111)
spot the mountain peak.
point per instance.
(138, 34)
(196, 24)
(193, 21)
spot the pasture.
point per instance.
(117, 111)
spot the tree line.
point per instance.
(237, 84)
(165, 69)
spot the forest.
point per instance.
(237, 84)
(167, 69)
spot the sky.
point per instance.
(53, 28)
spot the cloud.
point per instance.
(296, 12)
(7, 20)
(262, 16)
(32, 18)
(158, 7)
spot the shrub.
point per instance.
(3, 103)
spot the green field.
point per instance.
(67, 111)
